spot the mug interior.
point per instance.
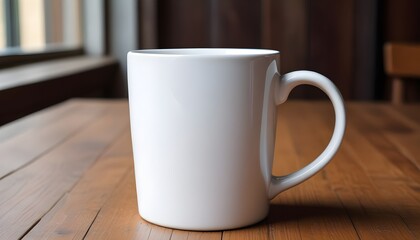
(207, 52)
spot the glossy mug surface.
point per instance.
(203, 130)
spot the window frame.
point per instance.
(11, 23)
(13, 55)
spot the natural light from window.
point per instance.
(2, 27)
(38, 25)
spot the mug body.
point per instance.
(196, 118)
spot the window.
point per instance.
(28, 26)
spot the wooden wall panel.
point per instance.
(331, 37)
(402, 20)
(183, 23)
(340, 39)
(367, 53)
(288, 33)
(235, 23)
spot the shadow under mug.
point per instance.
(203, 129)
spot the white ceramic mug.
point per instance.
(203, 130)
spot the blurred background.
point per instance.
(341, 39)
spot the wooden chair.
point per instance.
(401, 61)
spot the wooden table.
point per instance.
(67, 172)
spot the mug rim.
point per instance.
(205, 52)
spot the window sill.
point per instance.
(28, 88)
(10, 57)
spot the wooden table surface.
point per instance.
(67, 172)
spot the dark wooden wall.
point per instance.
(340, 39)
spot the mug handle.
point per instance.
(287, 82)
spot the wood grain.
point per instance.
(377, 210)
(54, 173)
(120, 217)
(316, 195)
(82, 185)
(72, 216)
(26, 147)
